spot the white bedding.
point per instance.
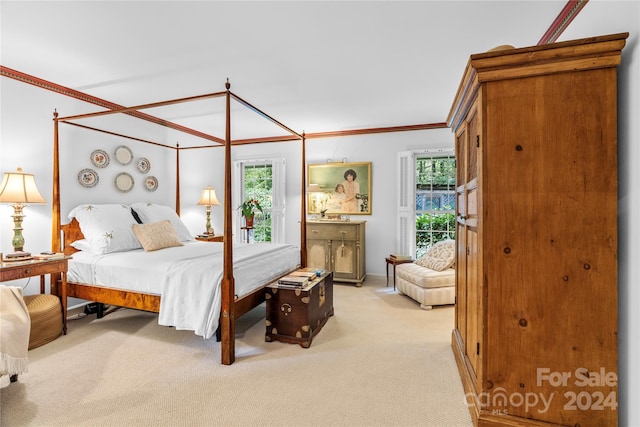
(186, 277)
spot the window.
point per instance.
(435, 197)
(257, 183)
(262, 180)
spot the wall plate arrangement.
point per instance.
(151, 183)
(124, 182)
(100, 158)
(88, 178)
(143, 164)
(123, 155)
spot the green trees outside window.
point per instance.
(258, 185)
(435, 201)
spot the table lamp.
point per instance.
(19, 189)
(208, 199)
(316, 199)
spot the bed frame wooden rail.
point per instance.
(232, 307)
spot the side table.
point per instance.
(394, 262)
(247, 234)
(40, 267)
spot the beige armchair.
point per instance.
(430, 280)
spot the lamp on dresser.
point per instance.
(317, 199)
(208, 199)
(19, 189)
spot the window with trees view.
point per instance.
(435, 200)
(257, 183)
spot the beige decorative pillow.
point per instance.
(156, 235)
(440, 256)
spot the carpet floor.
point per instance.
(379, 361)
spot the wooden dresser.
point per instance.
(535, 336)
(338, 246)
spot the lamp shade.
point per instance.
(19, 187)
(208, 197)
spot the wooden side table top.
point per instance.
(212, 238)
(33, 267)
(395, 261)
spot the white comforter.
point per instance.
(187, 277)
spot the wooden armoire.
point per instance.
(535, 336)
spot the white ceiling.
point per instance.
(315, 66)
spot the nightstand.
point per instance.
(214, 238)
(40, 267)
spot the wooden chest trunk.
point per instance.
(297, 315)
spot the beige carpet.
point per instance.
(380, 361)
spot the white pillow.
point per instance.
(150, 212)
(82, 245)
(107, 227)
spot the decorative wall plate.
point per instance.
(143, 165)
(88, 178)
(124, 182)
(100, 158)
(123, 154)
(151, 183)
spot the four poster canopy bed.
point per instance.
(148, 260)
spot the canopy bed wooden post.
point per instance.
(55, 209)
(227, 315)
(178, 179)
(231, 306)
(303, 204)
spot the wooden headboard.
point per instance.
(70, 233)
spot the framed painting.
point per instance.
(339, 189)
